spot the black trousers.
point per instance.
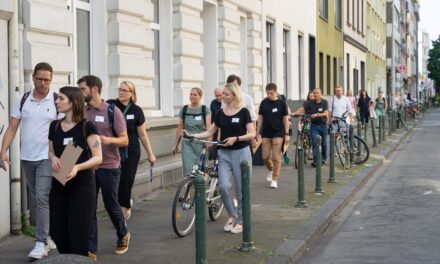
(71, 213)
(128, 173)
(364, 117)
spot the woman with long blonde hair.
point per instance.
(235, 124)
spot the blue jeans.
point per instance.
(108, 181)
(229, 170)
(322, 131)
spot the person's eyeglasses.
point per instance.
(123, 91)
(43, 79)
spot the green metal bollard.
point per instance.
(351, 139)
(200, 219)
(366, 132)
(390, 123)
(373, 132)
(359, 134)
(301, 185)
(332, 178)
(247, 245)
(318, 164)
(383, 128)
(380, 129)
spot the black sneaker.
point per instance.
(313, 164)
(324, 162)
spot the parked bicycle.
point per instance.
(358, 153)
(183, 214)
(303, 139)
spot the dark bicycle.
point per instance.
(303, 139)
(358, 153)
(183, 215)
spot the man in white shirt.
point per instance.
(341, 105)
(35, 110)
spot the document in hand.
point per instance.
(68, 159)
(259, 140)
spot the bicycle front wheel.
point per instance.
(343, 153)
(183, 215)
(361, 150)
(215, 205)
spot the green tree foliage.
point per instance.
(434, 63)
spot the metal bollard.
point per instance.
(380, 129)
(390, 123)
(332, 178)
(301, 185)
(247, 245)
(200, 219)
(383, 128)
(351, 140)
(373, 132)
(318, 164)
(359, 134)
(366, 132)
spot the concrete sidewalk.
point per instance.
(280, 231)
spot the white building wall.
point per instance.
(6, 9)
(299, 20)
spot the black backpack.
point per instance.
(184, 114)
(123, 151)
(26, 95)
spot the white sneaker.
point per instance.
(51, 243)
(269, 176)
(238, 228)
(274, 184)
(228, 226)
(235, 201)
(40, 251)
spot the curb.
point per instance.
(297, 242)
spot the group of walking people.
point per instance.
(108, 134)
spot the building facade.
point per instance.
(376, 43)
(355, 49)
(426, 85)
(393, 49)
(412, 19)
(290, 47)
(330, 52)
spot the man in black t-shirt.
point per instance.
(215, 106)
(318, 110)
(273, 124)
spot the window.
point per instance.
(83, 32)
(348, 13)
(286, 56)
(321, 71)
(338, 13)
(155, 26)
(348, 71)
(362, 75)
(323, 9)
(353, 15)
(312, 63)
(329, 77)
(362, 17)
(358, 16)
(355, 81)
(396, 18)
(300, 65)
(335, 73)
(269, 61)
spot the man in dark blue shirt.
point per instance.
(318, 110)
(216, 105)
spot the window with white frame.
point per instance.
(155, 26)
(338, 13)
(286, 56)
(269, 44)
(82, 48)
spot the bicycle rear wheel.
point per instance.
(183, 215)
(307, 145)
(363, 155)
(215, 205)
(343, 152)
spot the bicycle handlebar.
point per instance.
(193, 139)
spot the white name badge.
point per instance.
(198, 118)
(320, 109)
(130, 117)
(274, 110)
(99, 118)
(235, 120)
(67, 140)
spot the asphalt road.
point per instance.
(396, 217)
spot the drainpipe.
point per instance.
(14, 149)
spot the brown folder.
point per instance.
(68, 159)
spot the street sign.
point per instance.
(402, 68)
